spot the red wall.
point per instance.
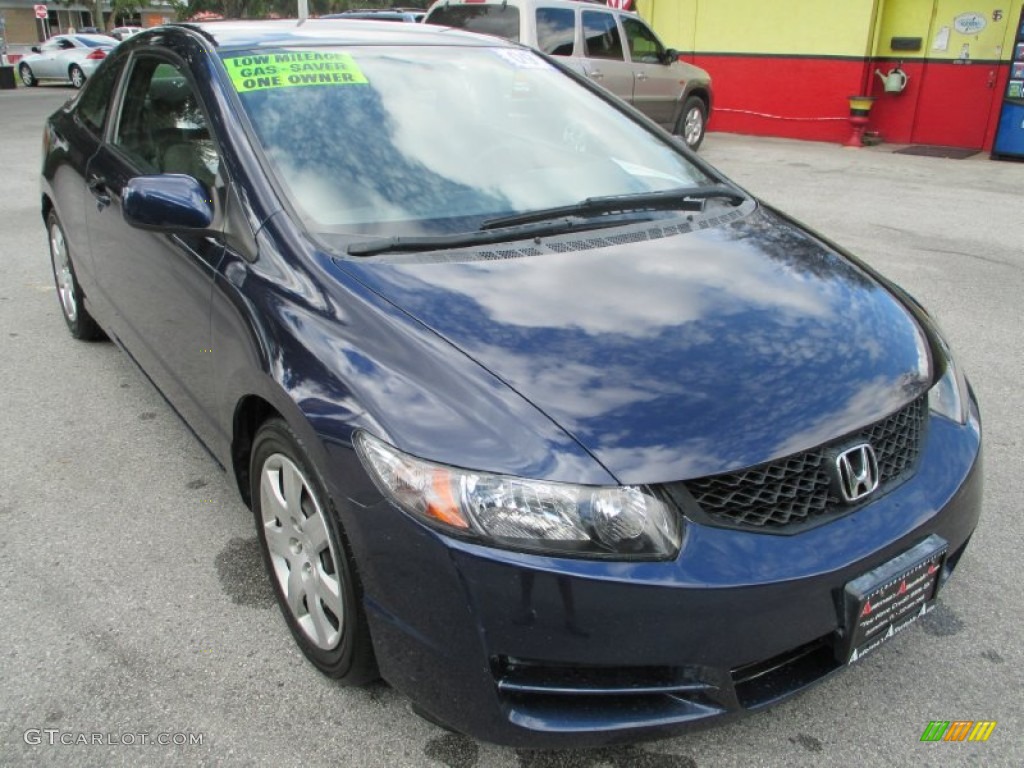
(799, 97)
(893, 113)
(954, 103)
(805, 97)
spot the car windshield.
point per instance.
(428, 140)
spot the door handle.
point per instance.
(98, 187)
(991, 78)
(596, 74)
(641, 75)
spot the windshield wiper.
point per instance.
(683, 198)
(550, 225)
(558, 220)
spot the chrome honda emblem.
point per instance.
(857, 472)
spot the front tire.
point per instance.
(692, 122)
(76, 76)
(307, 557)
(69, 293)
(27, 77)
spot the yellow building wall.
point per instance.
(933, 21)
(828, 27)
(904, 18)
(800, 27)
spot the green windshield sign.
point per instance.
(259, 72)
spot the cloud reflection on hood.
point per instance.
(681, 356)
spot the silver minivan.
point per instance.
(614, 48)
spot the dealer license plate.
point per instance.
(885, 601)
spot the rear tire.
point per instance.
(692, 122)
(69, 293)
(307, 557)
(29, 79)
(76, 76)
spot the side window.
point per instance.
(601, 36)
(643, 45)
(65, 44)
(162, 127)
(556, 30)
(51, 45)
(94, 102)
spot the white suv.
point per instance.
(613, 48)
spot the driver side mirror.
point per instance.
(35, 49)
(171, 202)
(669, 56)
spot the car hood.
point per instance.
(673, 357)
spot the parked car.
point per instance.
(615, 49)
(67, 58)
(123, 33)
(540, 417)
(408, 15)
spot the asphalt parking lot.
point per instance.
(133, 601)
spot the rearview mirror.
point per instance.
(669, 56)
(171, 202)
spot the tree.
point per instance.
(121, 9)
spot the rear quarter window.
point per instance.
(601, 36)
(497, 20)
(96, 42)
(556, 30)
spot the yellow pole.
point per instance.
(877, 10)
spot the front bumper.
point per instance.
(551, 652)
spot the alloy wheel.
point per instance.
(693, 126)
(77, 77)
(62, 271)
(301, 551)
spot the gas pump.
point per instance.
(1009, 141)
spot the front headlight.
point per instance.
(616, 522)
(948, 397)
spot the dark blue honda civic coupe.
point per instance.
(541, 418)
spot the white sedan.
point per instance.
(68, 58)
(123, 33)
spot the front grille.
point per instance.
(798, 489)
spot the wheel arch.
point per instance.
(251, 412)
(703, 93)
(46, 206)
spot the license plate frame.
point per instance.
(886, 600)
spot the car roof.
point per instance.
(587, 5)
(233, 33)
(384, 15)
(371, 12)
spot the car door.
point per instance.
(48, 63)
(159, 285)
(656, 87)
(78, 133)
(604, 58)
(70, 53)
